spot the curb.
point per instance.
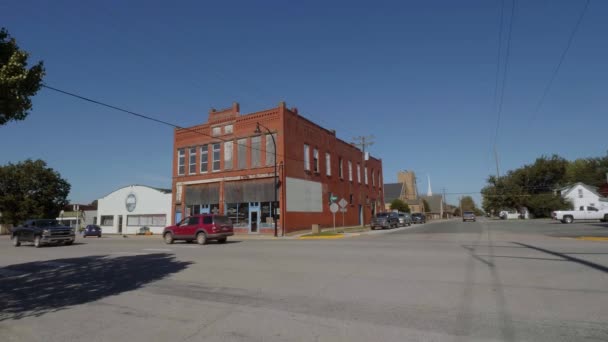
(332, 237)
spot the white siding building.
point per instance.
(127, 209)
(581, 194)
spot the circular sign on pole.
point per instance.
(334, 208)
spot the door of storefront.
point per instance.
(119, 224)
(254, 217)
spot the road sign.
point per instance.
(343, 203)
(333, 208)
(333, 198)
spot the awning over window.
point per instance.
(203, 193)
(258, 190)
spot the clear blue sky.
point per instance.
(419, 75)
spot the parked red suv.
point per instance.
(201, 228)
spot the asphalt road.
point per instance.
(447, 281)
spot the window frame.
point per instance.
(315, 160)
(213, 157)
(306, 157)
(192, 163)
(204, 149)
(340, 168)
(256, 151)
(327, 164)
(241, 147)
(228, 155)
(350, 171)
(181, 161)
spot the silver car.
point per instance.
(405, 219)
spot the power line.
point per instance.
(562, 57)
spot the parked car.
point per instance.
(582, 214)
(418, 218)
(91, 230)
(385, 220)
(201, 228)
(468, 216)
(405, 219)
(41, 232)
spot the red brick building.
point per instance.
(224, 166)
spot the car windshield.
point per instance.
(468, 213)
(382, 215)
(45, 223)
(221, 220)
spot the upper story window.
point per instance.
(216, 156)
(270, 149)
(256, 151)
(204, 158)
(365, 175)
(327, 164)
(181, 161)
(228, 151)
(580, 193)
(340, 171)
(241, 153)
(228, 129)
(306, 157)
(192, 158)
(315, 159)
(359, 173)
(215, 131)
(350, 171)
(373, 178)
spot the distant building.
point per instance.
(406, 189)
(83, 214)
(580, 194)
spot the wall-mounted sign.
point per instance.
(130, 202)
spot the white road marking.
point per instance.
(187, 246)
(157, 249)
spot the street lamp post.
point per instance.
(274, 216)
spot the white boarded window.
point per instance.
(204, 158)
(350, 171)
(181, 161)
(192, 160)
(215, 131)
(216, 156)
(228, 151)
(315, 159)
(242, 153)
(306, 157)
(327, 164)
(270, 149)
(359, 173)
(373, 178)
(365, 175)
(228, 129)
(340, 172)
(256, 153)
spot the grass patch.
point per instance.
(352, 229)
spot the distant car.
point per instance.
(405, 219)
(418, 218)
(91, 230)
(468, 216)
(42, 231)
(385, 220)
(201, 228)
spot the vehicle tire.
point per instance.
(189, 241)
(168, 237)
(568, 219)
(84, 236)
(37, 241)
(222, 240)
(201, 238)
(68, 243)
(98, 236)
(605, 218)
(16, 241)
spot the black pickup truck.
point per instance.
(42, 231)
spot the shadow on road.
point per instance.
(567, 257)
(40, 287)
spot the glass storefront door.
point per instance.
(254, 217)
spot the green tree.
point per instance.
(467, 203)
(17, 82)
(30, 189)
(399, 205)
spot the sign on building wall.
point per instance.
(304, 196)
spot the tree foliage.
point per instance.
(399, 205)
(30, 189)
(536, 186)
(17, 82)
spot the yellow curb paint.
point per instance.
(321, 237)
(593, 238)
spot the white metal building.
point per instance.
(127, 209)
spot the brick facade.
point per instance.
(244, 190)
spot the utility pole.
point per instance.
(362, 142)
(442, 200)
(496, 159)
(460, 200)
